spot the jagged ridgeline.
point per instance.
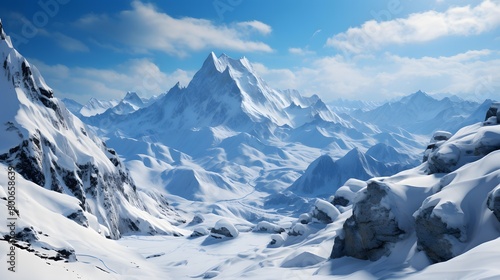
(49, 146)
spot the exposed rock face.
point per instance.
(493, 112)
(79, 218)
(370, 230)
(434, 236)
(493, 202)
(217, 232)
(49, 146)
(438, 138)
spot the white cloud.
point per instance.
(144, 28)
(473, 75)
(257, 26)
(419, 27)
(300, 51)
(140, 75)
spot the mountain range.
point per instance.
(228, 177)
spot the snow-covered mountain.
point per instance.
(420, 113)
(348, 106)
(324, 176)
(130, 103)
(95, 106)
(229, 122)
(47, 145)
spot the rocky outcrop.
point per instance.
(493, 112)
(438, 138)
(493, 202)
(47, 145)
(223, 228)
(371, 228)
(435, 237)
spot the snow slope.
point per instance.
(51, 147)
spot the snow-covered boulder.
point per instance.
(265, 226)
(197, 219)
(451, 220)
(277, 240)
(493, 202)
(467, 145)
(200, 231)
(298, 230)
(345, 195)
(493, 113)
(438, 138)
(305, 218)
(224, 228)
(435, 236)
(382, 215)
(324, 211)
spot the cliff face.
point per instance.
(49, 146)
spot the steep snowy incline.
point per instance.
(49, 146)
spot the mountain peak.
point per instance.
(132, 97)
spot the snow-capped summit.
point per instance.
(95, 106)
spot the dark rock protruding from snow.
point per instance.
(493, 202)
(197, 219)
(325, 212)
(223, 228)
(370, 229)
(47, 145)
(493, 112)
(434, 236)
(438, 138)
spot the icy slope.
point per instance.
(49, 146)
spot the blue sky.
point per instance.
(370, 50)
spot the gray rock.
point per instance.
(434, 235)
(197, 219)
(218, 232)
(493, 111)
(79, 218)
(369, 232)
(493, 202)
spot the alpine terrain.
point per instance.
(230, 178)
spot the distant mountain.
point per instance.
(229, 122)
(72, 105)
(347, 106)
(419, 113)
(95, 106)
(324, 176)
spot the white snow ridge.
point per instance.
(228, 178)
